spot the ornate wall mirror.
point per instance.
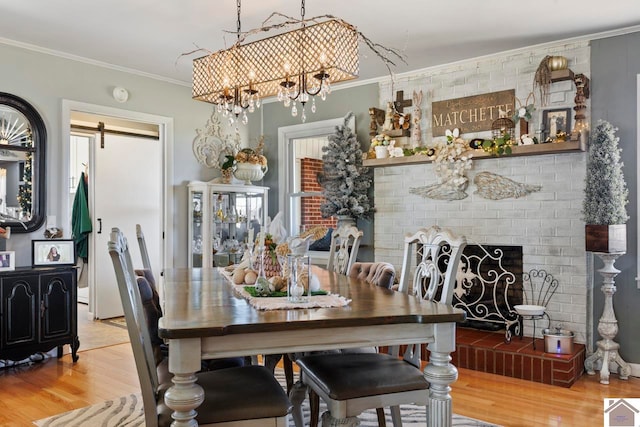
(22, 165)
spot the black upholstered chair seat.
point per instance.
(393, 375)
(232, 394)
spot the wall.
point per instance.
(547, 223)
(615, 65)
(44, 81)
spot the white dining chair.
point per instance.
(246, 396)
(345, 242)
(350, 383)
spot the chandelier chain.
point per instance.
(238, 25)
(302, 10)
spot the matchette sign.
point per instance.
(471, 113)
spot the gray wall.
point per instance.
(44, 81)
(356, 99)
(615, 64)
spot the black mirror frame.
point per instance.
(38, 190)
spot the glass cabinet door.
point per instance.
(235, 214)
(222, 217)
(197, 237)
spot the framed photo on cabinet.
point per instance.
(7, 260)
(53, 252)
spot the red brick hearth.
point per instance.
(487, 352)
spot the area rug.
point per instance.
(128, 411)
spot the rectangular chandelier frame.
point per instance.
(331, 46)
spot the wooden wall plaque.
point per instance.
(471, 113)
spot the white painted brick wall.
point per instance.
(547, 224)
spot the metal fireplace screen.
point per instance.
(488, 285)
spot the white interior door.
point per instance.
(125, 189)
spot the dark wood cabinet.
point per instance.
(38, 311)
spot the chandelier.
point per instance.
(295, 66)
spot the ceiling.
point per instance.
(151, 36)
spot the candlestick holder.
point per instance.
(607, 350)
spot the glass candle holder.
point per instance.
(298, 289)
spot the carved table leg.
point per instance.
(607, 350)
(185, 395)
(441, 374)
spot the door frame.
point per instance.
(166, 134)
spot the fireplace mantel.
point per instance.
(520, 150)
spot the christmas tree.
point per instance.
(344, 180)
(25, 190)
(605, 189)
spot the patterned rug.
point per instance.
(128, 411)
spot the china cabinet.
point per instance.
(222, 218)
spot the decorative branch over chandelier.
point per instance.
(296, 66)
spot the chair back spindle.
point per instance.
(146, 263)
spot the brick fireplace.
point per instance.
(547, 224)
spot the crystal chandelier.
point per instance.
(296, 66)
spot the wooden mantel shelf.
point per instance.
(520, 150)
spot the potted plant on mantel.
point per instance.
(604, 208)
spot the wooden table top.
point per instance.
(201, 303)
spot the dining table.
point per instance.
(205, 317)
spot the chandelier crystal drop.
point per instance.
(294, 66)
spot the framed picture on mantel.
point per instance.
(555, 121)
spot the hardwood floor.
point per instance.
(29, 393)
(54, 386)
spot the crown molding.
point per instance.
(346, 85)
(89, 61)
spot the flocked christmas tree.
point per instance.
(605, 189)
(25, 191)
(344, 180)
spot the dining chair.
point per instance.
(345, 242)
(350, 383)
(242, 396)
(145, 271)
(376, 273)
